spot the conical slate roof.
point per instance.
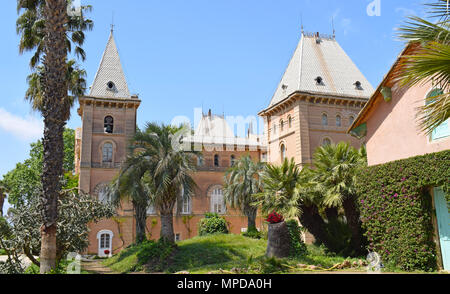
(322, 56)
(110, 81)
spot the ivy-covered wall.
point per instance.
(396, 209)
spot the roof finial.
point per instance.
(301, 20)
(112, 23)
(332, 24)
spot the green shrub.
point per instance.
(396, 209)
(212, 224)
(253, 233)
(298, 247)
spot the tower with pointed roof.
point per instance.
(108, 116)
(318, 97)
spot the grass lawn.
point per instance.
(226, 254)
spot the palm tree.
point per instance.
(76, 78)
(133, 184)
(309, 207)
(279, 189)
(429, 61)
(164, 171)
(289, 191)
(242, 181)
(30, 26)
(55, 91)
(46, 28)
(334, 177)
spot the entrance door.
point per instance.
(104, 243)
(443, 220)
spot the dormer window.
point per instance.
(109, 124)
(319, 81)
(358, 85)
(110, 86)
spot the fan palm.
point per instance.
(46, 28)
(429, 62)
(289, 191)
(279, 189)
(30, 26)
(132, 184)
(160, 172)
(334, 178)
(242, 182)
(55, 91)
(76, 78)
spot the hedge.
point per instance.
(396, 209)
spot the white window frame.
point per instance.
(186, 203)
(217, 200)
(101, 248)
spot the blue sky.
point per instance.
(228, 55)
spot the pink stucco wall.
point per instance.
(392, 128)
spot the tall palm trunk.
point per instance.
(251, 218)
(353, 220)
(2, 201)
(55, 90)
(167, 234)
(141, 220)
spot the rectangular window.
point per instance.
(177, 237)
(186, 205)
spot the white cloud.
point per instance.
(28, 128)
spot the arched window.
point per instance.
(338, 121)
(283, 152)
(324, 119)
(217, 201)
(290, 121)
(351, 119)
(109, 124)
(107, 152)
(232, 160)
(326, 142)
(274, 129)
(216, 160)
(282, 125)
(443, 130)
(185, 203)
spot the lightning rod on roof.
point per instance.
(332, 24)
